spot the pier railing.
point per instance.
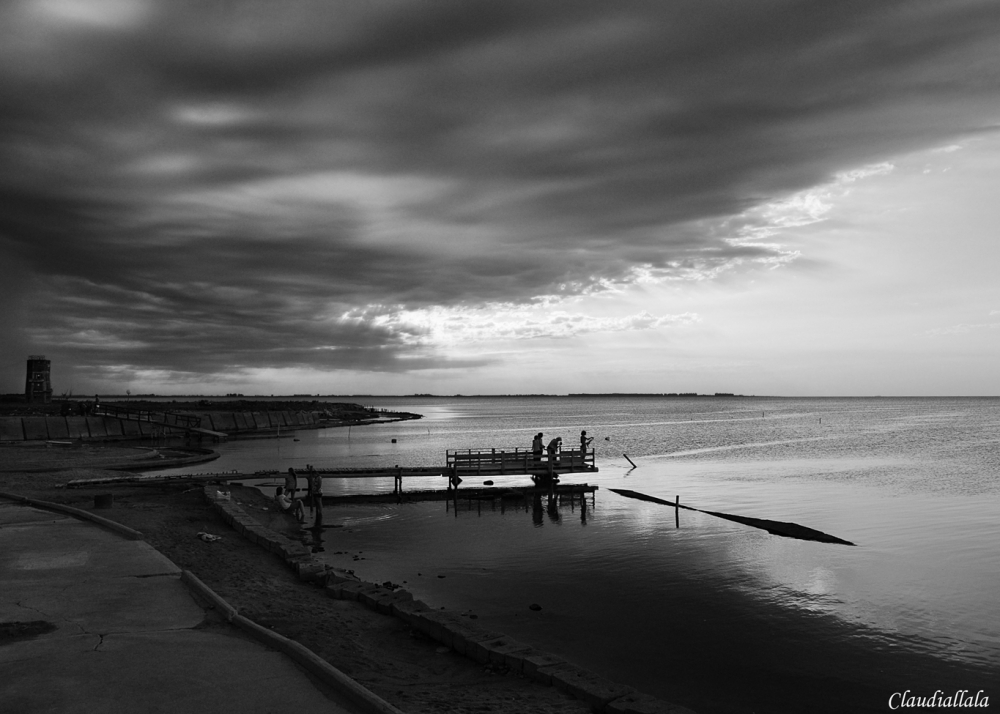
(492, 461)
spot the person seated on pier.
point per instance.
(292, 507)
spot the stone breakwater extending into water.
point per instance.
(105, 428)
(446, 627)
(236, 422)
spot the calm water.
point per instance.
(675, 612)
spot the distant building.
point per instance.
(37, 385)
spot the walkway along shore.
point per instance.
(94, 619)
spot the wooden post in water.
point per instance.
(677, 511)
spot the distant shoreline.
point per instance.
(317, 398)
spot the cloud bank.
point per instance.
(203, 187)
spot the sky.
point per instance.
(503, 197)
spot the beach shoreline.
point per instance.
(406, 668)
(382, 653)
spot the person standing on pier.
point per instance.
(291, 483)
(536, 447)
(585, 441)
(553, 448)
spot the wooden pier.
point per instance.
(497, 462)
(459, 463)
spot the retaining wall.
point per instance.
(11, 430)
(14, 429)
(77, 426)
(35, 428)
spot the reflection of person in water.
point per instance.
(537, 511)
(292, 507)
(553, 509)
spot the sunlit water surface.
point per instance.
(913, 482)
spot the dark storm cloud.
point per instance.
(209, 186)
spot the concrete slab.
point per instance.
(130, 428)
(113, 426)
(16, 513)
(35, 429)
(69, 643)
(96, 426)
(241, 421)
(123, 605)
(57, 427)
(25, 548)
(159, 672)
(11, 429)
(124, 638)
(77, 426)
(224, 422)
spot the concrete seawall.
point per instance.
(103, 428)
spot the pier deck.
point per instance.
(459, 464)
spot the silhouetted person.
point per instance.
(292, 507)
(291, 483)
(315, 483)
(536, 447)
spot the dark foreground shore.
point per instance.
(379, 651)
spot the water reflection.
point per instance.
(915, 482)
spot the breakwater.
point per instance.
(106, 428)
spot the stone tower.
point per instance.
(37, 387)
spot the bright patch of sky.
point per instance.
(888, 283)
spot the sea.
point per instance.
(701, 611)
